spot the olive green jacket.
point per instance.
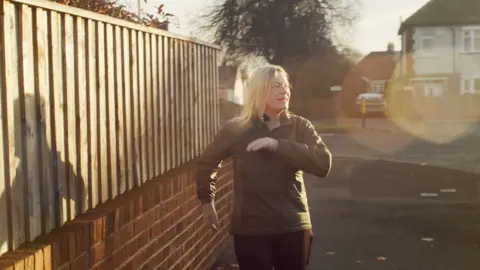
(269, 193)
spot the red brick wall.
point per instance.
(156, 226)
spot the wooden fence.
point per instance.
(90, 108)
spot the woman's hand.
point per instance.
(210, 215)
(266, 143)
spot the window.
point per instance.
(377, 87)
(471, 40)
(426, 40)
(471, 85)
(427, 45)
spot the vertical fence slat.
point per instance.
(217, 93)
(128, 105)
(135, 107)
(102, 110)
(206, 83)
(16, 180)
(5, 217)
(142, 106)
(111, 112)
(32, 139)
(186, 104)
(148, 115)
(203, 98)
(154, 103)
(120, 111)
(208, 73)
(209, 94)
(181, 102)
(197, 112)
(82, 118)
(188, 100)
(169, 106)
(173, 101)
(161, 98)
(58, 138)
(70, 120)
(215, 90)
(94, 173)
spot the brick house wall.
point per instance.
(156, 226)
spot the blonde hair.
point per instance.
(258, 89)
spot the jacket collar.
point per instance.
(285, 120)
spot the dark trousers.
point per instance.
(289, 251)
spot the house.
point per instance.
(231, 84)
(441, 48)
(377, 68)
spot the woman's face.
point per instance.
(279, 94)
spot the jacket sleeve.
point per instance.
(209, 163)
(309, 154)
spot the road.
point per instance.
(387, 234)
(369, 213)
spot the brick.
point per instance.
(82, 238)
(139, 225)
(111, 222)
(148, 200)
(64, 249)
(80, 263)
(139, 202)
(171, 205)
(6, 265)
(156, 229)
(157, 195)
(150, 218)
(124, 215)
(151, 248)
(112, 243)
(127, 266)
(106, 264)
(161, 210)
(48, 258)
(126, 233)
(97, 253)
(144, 238)
(63, 267)
(132, 247)
(39, 259)
(119, 257)
(98, 230)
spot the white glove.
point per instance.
(266, 143)
(210, 215)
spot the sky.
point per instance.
(378, 23)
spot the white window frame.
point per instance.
(468, 85)
(426, 80)
(377, 86)
(422, 48)
(471, 30)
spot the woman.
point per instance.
(270, 148)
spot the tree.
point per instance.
(293, 33)
(112, 8)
